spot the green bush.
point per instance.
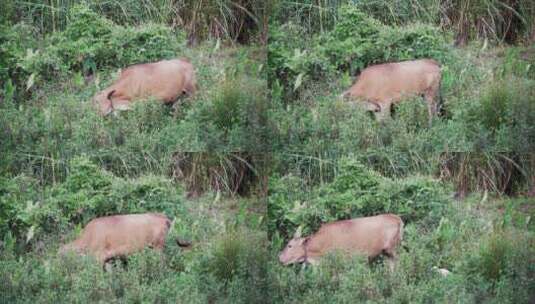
(91, 42)
(47, 278)
(501, 119)
(16, 194)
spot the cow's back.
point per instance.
(164, 80)
(393, 81)
(124, 234)
(368, 235)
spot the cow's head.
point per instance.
(295, 251)
(102, 101)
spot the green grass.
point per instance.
(458, 172)
(264, 149)
(217, 19)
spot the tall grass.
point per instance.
(483, 171)
(498, 20)
(239, 20)
(232, 173)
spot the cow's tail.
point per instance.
(179, 241)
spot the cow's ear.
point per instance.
(110, 94)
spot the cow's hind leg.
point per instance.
(430, 97)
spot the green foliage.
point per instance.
(91, 42)
(494, 20)
(403, 12)
(88, 192)
(16, 43)
(502, 118)
(238, 260)
(235, 118)
(518, 61)
(239, 20)
(504, 261)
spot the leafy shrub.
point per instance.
(351, 45)
(497, 128)
(412, 42)
(14, 192)
(289, 64)
(91, 42)
(46, 277)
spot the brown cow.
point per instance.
(164, 80)
(120, 235)
(369, 236)
(380, 86)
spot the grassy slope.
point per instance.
(488, 251)
(178, 275)
(59, 124)
(487, 243)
